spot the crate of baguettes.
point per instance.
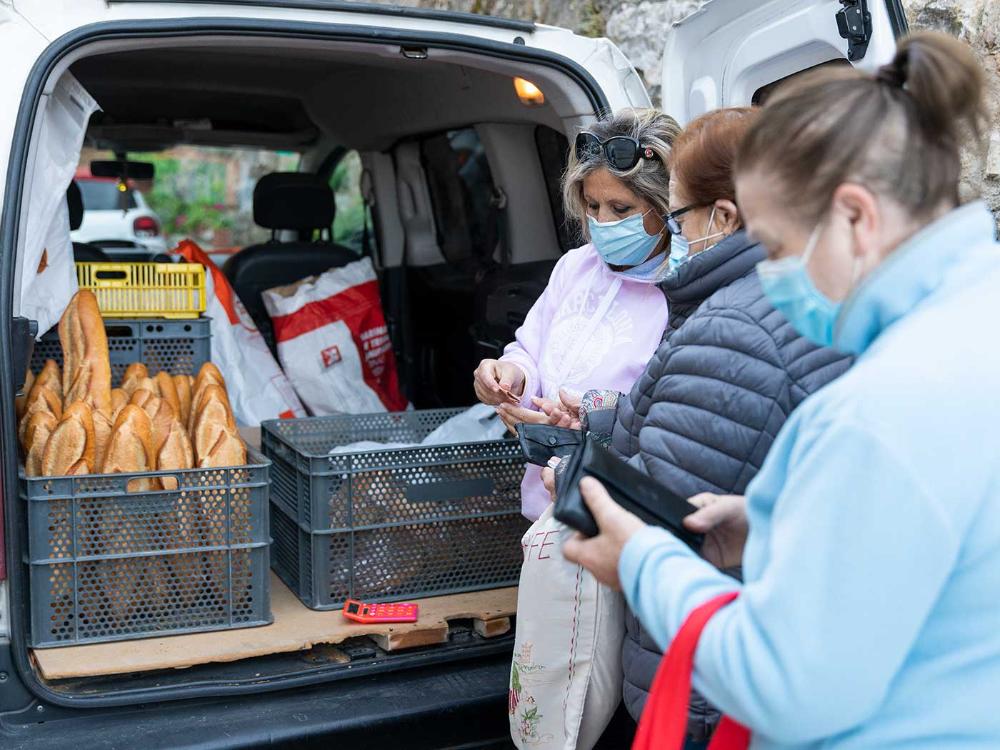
(146, 513)
(386, 520)
(180, 346)
(145, 290)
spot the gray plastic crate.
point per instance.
(385, 524)
(107, 564)
(179, 346)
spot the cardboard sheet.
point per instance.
(295, 628)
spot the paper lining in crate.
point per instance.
(392, 523)
(113, 558)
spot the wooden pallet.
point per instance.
(295, 628)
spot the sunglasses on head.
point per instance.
(621, 151)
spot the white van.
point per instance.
(462, 252)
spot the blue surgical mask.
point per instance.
(680, 247)
(791, 290)
(624, 242)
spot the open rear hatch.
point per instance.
(280, 83)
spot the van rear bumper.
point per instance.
(446, 706)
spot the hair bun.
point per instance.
(894, 73)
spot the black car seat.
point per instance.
(286, 201)
(83, 252)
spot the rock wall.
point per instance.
(637, 27)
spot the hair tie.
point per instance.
(891, 75)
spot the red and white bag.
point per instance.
(258, 389)
(333, 341)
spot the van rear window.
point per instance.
(104, 195)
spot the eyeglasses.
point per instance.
(671, 219)
(621, 151)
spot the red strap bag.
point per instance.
(663, 724)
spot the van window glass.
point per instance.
(104, 195)
(553, 153)
(461, 188)
(203, 193)
(348, 221)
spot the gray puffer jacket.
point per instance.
(702, 417)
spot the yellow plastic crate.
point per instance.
(145, 290)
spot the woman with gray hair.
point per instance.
(601, 315)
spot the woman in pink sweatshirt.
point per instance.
(601, 315)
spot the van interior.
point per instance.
(460, 177)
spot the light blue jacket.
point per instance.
(870, 612)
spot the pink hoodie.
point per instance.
(591, 328)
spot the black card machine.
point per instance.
(628, 486)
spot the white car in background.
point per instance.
(117, 220)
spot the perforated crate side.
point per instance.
(134, 597)
(298, 491)
(290, 553)
(391, 563)
(180, 346)
(108, 564)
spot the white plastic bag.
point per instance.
(566, 674)
(333, 341)
(479, 422)
(47, 287)
(258, 389)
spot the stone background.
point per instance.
(637, 27)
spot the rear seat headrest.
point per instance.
(74, 199)
(293, 200)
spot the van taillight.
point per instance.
(145, 226)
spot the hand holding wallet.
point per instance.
(541, 442)
(629, 487)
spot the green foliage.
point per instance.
(188, 195)
(592, 21)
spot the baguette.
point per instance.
(161, 415)
(50, 377)
(134, 373)
(119, 397)
(103, 424)
(71, 446)
(86, 365)
(168, 391)
(211, 416)
(142, 396)
(175, 452)
(40, 427)
(199, 399)
(182, 385)
(130, 448)
(147, 384)
(228, 450)
(41, 399)
(21, 401)
(209, 374)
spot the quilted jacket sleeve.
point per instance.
(721, 393)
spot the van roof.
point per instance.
(343, 6)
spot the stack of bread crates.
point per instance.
(146, 512)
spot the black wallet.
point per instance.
(540, 442)
(629, 487)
